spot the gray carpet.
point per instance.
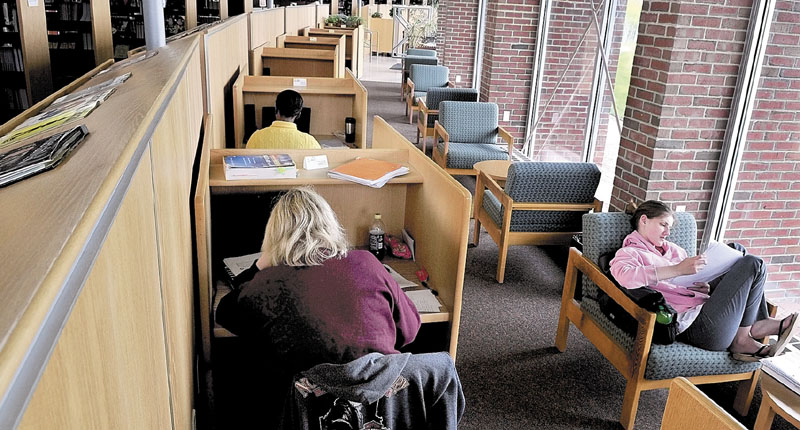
(513, 377)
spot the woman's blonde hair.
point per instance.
(303, 230)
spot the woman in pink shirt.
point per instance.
(727, 313)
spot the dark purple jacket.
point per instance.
(333, 313)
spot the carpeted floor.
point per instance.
(513, 377)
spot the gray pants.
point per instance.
(736, 301)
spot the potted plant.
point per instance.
(377, 15)
(354, 21)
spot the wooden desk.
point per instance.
(354, 49)
(382, 32)
(427, 202)
(776, 398)
(300, 62)
(331, 101)
(322, 43)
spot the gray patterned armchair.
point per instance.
(469, 133)
(410, 60)
(429, 108)
(421, 79)
(541, 204)
(645, 365)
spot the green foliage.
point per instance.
(377, 15)
(334, 20)
(340, 20)
(354, 21)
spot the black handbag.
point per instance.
(666, 329)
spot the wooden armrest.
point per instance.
(590, 269)
(490, 184)
(505, 135)
(438, 130)
(598, 206)
(409, 86)
(422, 106)
(450, 84)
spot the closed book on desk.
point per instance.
(785, 369)
(268, 166)
(366, 171)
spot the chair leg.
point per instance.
(501, 261)
(744, 394)
(630, 403)
(418, 137)
(476, 232)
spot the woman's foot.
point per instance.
(788, 328)
(762, 352)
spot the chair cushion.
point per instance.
(531, 221)
(438, 95)
(427, 76)
(670, 361)
(469, 122)
(465, 155)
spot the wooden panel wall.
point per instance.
(36, 52)
(225, 54)
(299, 17)
(323, 11)
(266, 26)
(101, 29)
(108, 370)
(173, 149)
(438, 208)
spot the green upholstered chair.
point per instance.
(421, 79)
(469, 134)
(410, 60)
(644, 365)
(541, 204)
(421, 52)
(429, 108)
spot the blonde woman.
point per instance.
(313, 300)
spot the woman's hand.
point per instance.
(701, 287)
(691, 265)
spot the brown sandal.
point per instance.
(752, 356)
(785, 334)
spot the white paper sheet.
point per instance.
(401, 281)
(424, 300)
(719, 259)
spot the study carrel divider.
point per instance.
(428, 203)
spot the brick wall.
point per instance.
(508, 60)
(683, 77)
(455, 41)
(766, 208)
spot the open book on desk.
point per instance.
(785, 369)
(234, 266)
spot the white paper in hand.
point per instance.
(719, 259)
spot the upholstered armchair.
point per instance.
(422, 78)
(542, 204)
(421, 52)
(410, 60)
(469, 134)
(429, 108)
(644, 365)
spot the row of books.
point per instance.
(10, 22)
(74, 12)
(365, 171)
(11, 59)
(14, 98)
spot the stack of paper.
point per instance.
(784, 368)
(259, 167)
(366, 171)
(424, 300)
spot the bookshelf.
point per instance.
(208, 11)
(24, 57)
(127, 26)
(79, 36)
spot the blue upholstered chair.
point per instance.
(645, 365)
(421, 52)
(409, 61)
(542, 204)
(469, 134)
(421, 78)
(429, 108)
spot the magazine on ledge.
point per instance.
(38, 156)
(366, 171)
(270, 166)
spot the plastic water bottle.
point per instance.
(376, 232)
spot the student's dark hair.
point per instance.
(289, 103)
(651, 209)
